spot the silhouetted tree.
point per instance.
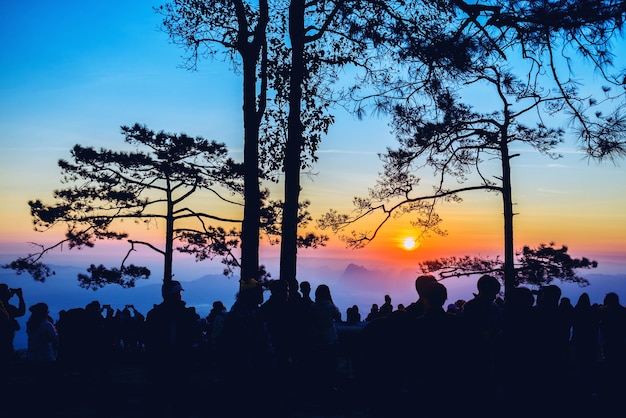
(307, 25)
(534, 267)
(323, 37)
(436, 130)
(238, 29)
(155, 183)
(252, 36)
(551, 35)
(453, 140)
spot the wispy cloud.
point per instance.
(345, 151)
(554, 191)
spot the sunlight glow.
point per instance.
(409, 243)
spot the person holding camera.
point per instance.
(8, 322)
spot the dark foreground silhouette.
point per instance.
(290, 356)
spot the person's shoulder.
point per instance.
(413, 306)
(155, 311)
(471, 303)
(190, 313)
(50, 326)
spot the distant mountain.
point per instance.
(354, 272)
(359, 284)
(62, 291)
(599, 286)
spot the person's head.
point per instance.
(374, 307)
(488, 286)
(218, 305)
(322, 294)
(39, 312)
(305, 288)
(250, 293)
(387, 299)
(549, 296)
(453, 309)
(611, 299)
(172, 290)
(422, 281)
(93, 306)
(434, 294)
(583, 301)
(279, 289)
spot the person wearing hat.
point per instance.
(171, 326)
(43, 338)
(171, 331)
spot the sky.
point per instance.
(74, 72)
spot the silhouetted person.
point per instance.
(245, 361)
(373, 313)
(323, 342)
(295, 298)
(95, 357)
(8, 323)
(566, 303)
(384, 353)
(82, 349)
(380, 362)
(386, 308)
(416, 309)
(278, 314)
(305, 289)
(171, 331)
(482, 316)
(437, 353)
(613, 338)
(41, 356)
(131, 327)
(454, 309)
(517, 364)
(72, 356)
(551, 348)
(109, 332)
(300, 306)
(352, 315)
(585, 340)
(215, 323)
(43, 339)
(567, 312)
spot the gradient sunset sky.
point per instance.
(74, 72)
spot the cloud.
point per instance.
(350, 152)
(553, 191)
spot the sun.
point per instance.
(409, 243)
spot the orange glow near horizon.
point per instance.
(472, 230)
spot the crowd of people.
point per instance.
(429, 357)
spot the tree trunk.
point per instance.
(252, 194)
(169, 236)
(507, 201)
(294, 146)
(253, 110)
